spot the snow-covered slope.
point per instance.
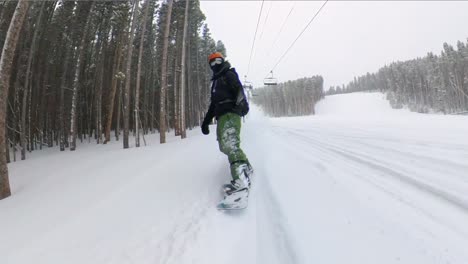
(357, 183)
(357, 105)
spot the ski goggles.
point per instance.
(216, 61)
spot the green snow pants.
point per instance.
(228, 136)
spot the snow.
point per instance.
(357, 183)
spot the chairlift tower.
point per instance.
(248, 87)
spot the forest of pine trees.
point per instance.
(292, 98)
(96, 71)
(432, 83)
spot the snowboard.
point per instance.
(236, 201)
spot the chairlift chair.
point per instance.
(270, 80)
(248, 85)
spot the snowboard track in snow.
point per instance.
(385, 170)
(285, 245)
(178, 240)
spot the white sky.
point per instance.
(347, 39)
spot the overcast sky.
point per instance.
(347, 39)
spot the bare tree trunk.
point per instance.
(146, 125)
(101, 53)
(189, 89)
(153, 102)
(168, 122)
(15, 112)
(112, 94)
(42, 113)
(98, 88)
(183, 81)
(7, 146)
(176, 98)
(6, 62)
(126, 110)
(119, 110)
(189, 93)
(88, 122)
(162, 98)
(62, 99)
(26, 87)
(76, 82)
(199, 89)
(137, 89)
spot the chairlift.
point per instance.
(270, 80)
(248, 85)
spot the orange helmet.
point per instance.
(214, 56)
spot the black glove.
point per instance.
(207, 120)
(205, 128)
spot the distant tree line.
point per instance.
(337, 90)
(434, 82)
(292, 98)
(81, 69)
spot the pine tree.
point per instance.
(6, 62)
(292, 98)
(183, 72)
(162, 96)
(432, 82)
(221, 48)
(76, 82)
(126, 97)
(138, 76)
(119, 24)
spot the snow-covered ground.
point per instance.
(357, 183)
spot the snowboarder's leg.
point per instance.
(228, 134)
(237, 191)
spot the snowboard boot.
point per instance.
(244, 172)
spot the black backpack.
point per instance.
(242, 105)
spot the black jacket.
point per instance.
(224, 90)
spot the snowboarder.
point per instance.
(228, 104)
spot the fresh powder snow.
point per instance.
(358, 182)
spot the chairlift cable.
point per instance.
(255, 36)
(266, 19)
(300, 34)
(282, 27)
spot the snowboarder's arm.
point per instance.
(210, 114)
(208, 117)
